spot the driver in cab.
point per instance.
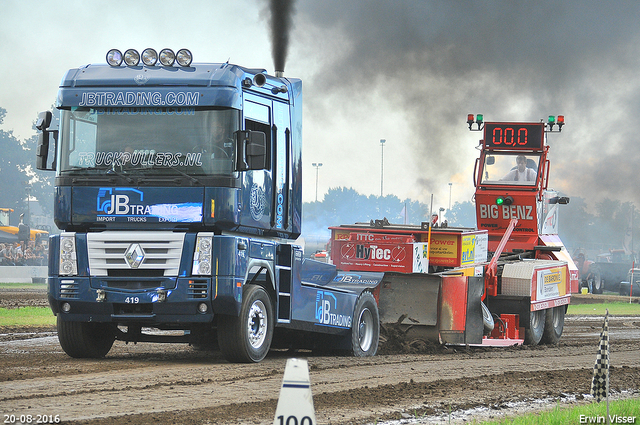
(521, 172)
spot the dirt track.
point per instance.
(147, 383)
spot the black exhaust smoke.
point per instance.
(280, 22)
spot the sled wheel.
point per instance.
(487, 320)
(85, 340)
(247, 337)
(365, 330)
(553, 325)
(533, 333)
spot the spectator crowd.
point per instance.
(21, 254)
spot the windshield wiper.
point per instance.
(192, 179)
(124, 176)
(105, 170)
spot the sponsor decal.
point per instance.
(141, 79)
(128, 204)
(141, 158)
(354, 278)
(506, 212)
(326, 311)
(279, 210)
(551, 283)
(257, 202)
(132, 98)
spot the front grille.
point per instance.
(107, 251)
(134, 284)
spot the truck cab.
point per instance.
(177, 193)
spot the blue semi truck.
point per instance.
(178, 195)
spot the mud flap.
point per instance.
(410, 301)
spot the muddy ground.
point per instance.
(152, 383)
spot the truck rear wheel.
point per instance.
(247, 338)
(553, 325)
(533, 333)
(85, 340)
(365, 329)
(597, 282)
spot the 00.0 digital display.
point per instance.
(514, 135)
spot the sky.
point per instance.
(406, 71)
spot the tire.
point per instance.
(247, 337)
(533, 333)
(553, 325)
(85, 340)
(487, 320)
(365, 328)
(598, 282)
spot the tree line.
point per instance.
(22, 185)
(593, 226)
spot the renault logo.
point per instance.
(134, 255)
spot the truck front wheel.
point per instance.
(533, 333)
(365, 330)
(553, 325)
(247, 338)
(85, 340)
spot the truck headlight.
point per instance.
(202, 254)
(68, 258)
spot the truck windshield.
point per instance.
(148, 140)
(510, 169)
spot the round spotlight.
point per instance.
(66, 307)
(167, 57)
(149, 57)
(132, 57)
(114, 57)
(184, 57)
(202, 308)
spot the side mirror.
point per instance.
(44, 139)
(251, 150)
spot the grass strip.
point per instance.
(615, 309)
(620, 411)
(27, 316)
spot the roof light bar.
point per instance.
(149, 57)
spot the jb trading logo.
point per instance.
(111, 201)
(323, 311)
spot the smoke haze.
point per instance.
(433, 62)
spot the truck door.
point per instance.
(257, 190)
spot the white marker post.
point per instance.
(295, 405)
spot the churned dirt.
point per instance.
(160, 383)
